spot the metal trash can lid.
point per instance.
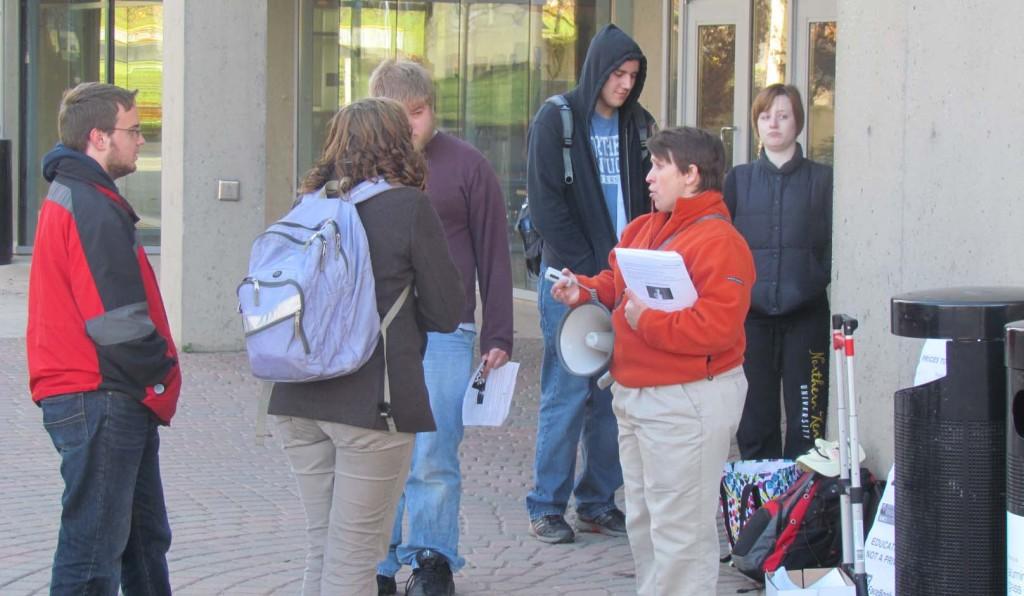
(974, 312)
(1015, 345)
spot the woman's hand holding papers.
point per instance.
(634, 308)
(567, 289)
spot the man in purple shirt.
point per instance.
(464, 190)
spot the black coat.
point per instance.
(572, 219)
(786, 216)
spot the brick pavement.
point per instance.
(234, 510)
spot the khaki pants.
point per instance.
(673, 443)
(350, 479)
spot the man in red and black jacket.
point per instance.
(102, 364)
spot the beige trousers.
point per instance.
(673, 443)
(350, 480)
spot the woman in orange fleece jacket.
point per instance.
(679, 384)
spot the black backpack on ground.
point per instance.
(801, 528)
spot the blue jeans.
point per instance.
(113, 526)
(434, 487)
(571, 406)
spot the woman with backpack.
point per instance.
(349, 439)
(782, 204)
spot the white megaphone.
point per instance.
(585, 340)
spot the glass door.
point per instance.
(815, 75)
(717, 72)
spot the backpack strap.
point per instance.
(699, 219)
(750, 495)
(644, 131)
(566, 113)
(384, 408)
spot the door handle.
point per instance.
(726, 129)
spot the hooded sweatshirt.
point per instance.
(572, 219)
(95, 317)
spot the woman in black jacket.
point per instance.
(782, 204)
(349, 467)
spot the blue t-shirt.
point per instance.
(604, 138)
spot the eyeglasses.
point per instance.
(135, 131)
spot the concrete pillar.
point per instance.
(927, 180)
(215, 128)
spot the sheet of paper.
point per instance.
(489, 406)
(659, 277)
(880, 543)
(932, 364)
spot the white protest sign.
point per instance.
(880, 546)
(1014, 554)
(932, 364)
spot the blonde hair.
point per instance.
(402, 80)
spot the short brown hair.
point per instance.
(764, 100)
(402, 80)
(688, 146)
(89, 106)
(368, 139)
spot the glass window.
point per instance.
(138, 64)
(493, 64)
(821, 91)
(770, 30)
(66, 44)
(70, 42)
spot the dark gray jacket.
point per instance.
(407, 246)
(572, 219)
(786, 216)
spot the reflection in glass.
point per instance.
(821, 91)
(66, 45)
(716, 82)
(770, 29)
(493, 64)
(69, 43)
(138, 64)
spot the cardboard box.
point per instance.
(809, 582)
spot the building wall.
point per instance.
(928, 182)
(215, 128)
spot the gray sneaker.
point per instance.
(552, 529)
(609, 523)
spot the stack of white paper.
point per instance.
(490, 406)
(658, 277)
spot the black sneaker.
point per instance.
(609, 523)
(552, 529)
(432, 576)
(386, 586)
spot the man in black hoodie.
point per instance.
(580, 223)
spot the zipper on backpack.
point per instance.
(299, 332)
(256, 292)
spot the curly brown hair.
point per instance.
(368, 139)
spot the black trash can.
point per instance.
(6, 204)
(1015, 457)
(950, 446)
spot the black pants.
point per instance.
(791, 349)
